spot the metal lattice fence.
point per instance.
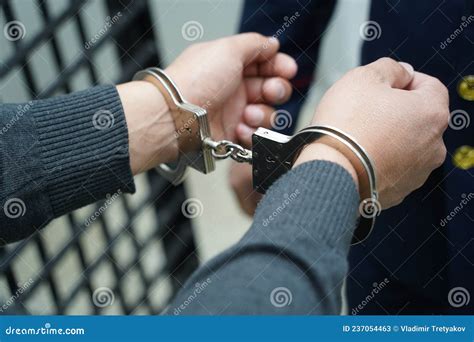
(133, 256)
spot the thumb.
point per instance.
(396, 74)
(254, 47)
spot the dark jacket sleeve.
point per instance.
(59, 154)
(293, 260)
(299, 26)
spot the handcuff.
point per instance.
(272, 154)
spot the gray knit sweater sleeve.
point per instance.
(294, 257)
(59, 154)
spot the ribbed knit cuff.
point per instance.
(314, 206)
(83, 142)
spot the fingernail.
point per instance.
(273, 39)
(408, 67)
(280, 90)
(254, 115)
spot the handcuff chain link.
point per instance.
(224, 149)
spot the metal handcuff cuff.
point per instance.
(272, 155)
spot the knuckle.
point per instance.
(439, 87)
(252, 36)
(387, 62)
(440, 155)
(370, 72)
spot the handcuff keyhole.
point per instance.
(270, 159)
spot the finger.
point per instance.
(275, 90)
(281, 65)
(258, 115)
(397, 75)
(244, 134)
(424, 83)
(254, 47)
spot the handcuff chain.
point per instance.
(224, 149)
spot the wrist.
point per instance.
(320, 151)
(151, 128)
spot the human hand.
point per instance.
(397, 115)
(236, 79)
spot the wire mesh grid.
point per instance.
(123, 255)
